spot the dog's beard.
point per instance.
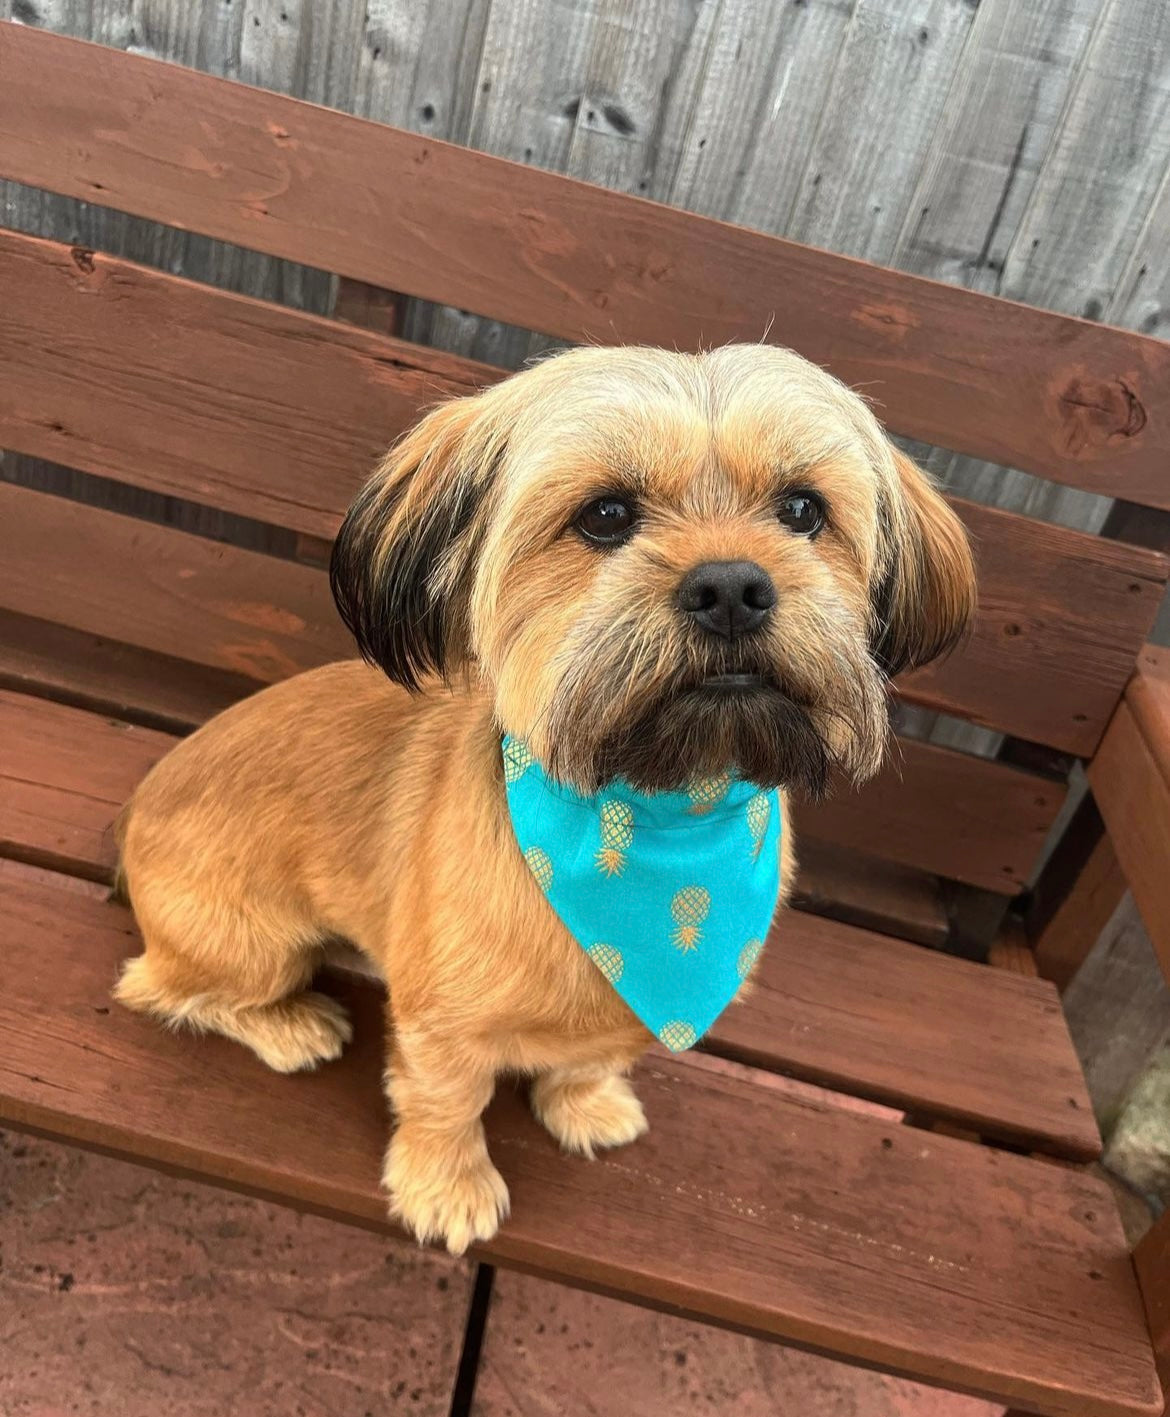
(760, 733)
(656, 715)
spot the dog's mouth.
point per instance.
(734, 682)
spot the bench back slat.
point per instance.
(120, 370)
(1066, 399)
(263, 618)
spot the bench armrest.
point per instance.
(1152, 1261)
(1130, 779)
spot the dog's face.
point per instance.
(664, 565)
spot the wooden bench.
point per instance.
(967, 1260)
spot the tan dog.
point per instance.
(651, 566)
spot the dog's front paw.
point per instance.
(584, 1115)
(437, 1201)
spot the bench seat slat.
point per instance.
(1065, 398)
(834, 1004)
(921, 1254)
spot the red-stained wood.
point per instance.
(876, 895)
(368, 305)
(915, 1029)
(1081, 886)
(1148, 696)
(236, 403)
(917, 1253)
(1062, 615)
(996, 822)
(166, 591)
(64, 776)
(107, 676)
(835, 1005)
(1152, 1261)
(1130, 778)
(1071, 400)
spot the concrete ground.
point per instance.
(128, 1294)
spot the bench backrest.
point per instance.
(254, 409)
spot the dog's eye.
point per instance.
(802, 513)
(607, 521)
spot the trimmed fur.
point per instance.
(340, 805)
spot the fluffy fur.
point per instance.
(341, 804)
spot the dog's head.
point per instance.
(664, 565)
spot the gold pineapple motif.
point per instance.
(688, 910)
(748, 956)
(540, 866)
(677, 1035)
(617, 836)
(609, 961)
(759, 812)
(517, 759)
(707, 792)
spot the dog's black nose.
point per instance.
(727, 598)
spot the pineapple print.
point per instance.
(609, 961)
(617, 836)
(517, 759)
(677, 1035)
(759, 812)
(688, 910)
(748, 956)
(540, 866)
(707, 792)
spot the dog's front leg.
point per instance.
(441, 1181)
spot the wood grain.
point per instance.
(166, 591)
(1043, 618)
(955, 799)
(231, 402)
(273, 174)
(1148, 696)
(1081, 886)
(911, 1252)
(63, 779)
(877, 895)
(831, 1000)
(1130, 779)
(1152, 1259)
(109, 677)
(915, 1029)
(896, 66)
(260, 619)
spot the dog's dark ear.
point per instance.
(924, 596)
(404, 559)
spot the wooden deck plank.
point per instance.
(377, 205)
(923, 1255)
(831, 1001)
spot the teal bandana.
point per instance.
(669, 894)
